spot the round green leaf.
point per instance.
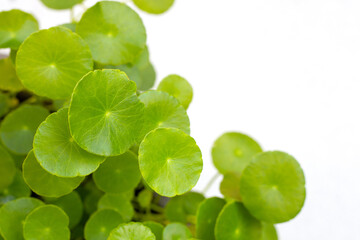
(176, 231)
(7, 169)
(9, 80)
(15, 27)
(45, 184)
(180, 207)
(170, 161)
(207, 214)
(230, 186)
(118, 174)
(17, 188)
(114, 32)
(268, 232)
(72, 206)
(233, 151)
(47, 222)
(101, 223)
(71, 26)
(235, 223)
(58, 153)
(131, 231)
(145, 197)
(163, 110)
(19, 127)
(178, 87)
(273, 187)
(118, 202)
(154, 6)
(140, 71)
(156, 228)
(105, 114)
(60, 4)
(12, 215)
(148, 77)
(50, 62)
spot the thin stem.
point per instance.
(211, 182)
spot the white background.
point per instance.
(286, 72)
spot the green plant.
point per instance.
(89, 151)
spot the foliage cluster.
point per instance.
(88, 150)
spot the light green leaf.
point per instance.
(118, 174)
(144, 198)
(58, 153)
(47, 222)
(101, 223)
(45, 184)
(178, 87)
(233, 151)
(17, 188)
(9, 80)
(156, 228)
(140, 71)
(19, 127)
(50, 62)
(176, 231)
(105, 114)
(235, 223)
(180, 207)
(272, 187)
(207, 214)
(12, 215)
(15, 27)
(114, 32)
(7, 169)
(72, 206)
(154, 6)
(163, 110)
(131, 231)
(118, 202)
(170, 161)
(230, 186)
(61, 4)
(268, 232)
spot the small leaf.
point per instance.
(230, 186)
(101, 223)
(207, 214)
(47, 222)
(163, 110)
(235, 223)
(178, 87)
(154, 6)
(176, 231)
(233, 151)
(268, 232)
(9, 80)
(131, 231)
(45, 184)
(118, 202)
(12, 215)
(72, 206)
(272, 187)
(117, 27)
(19, 127)
(61, 4)
(105, 114)
(170, 161)
(156, 228)
(118, 174)
(50, 62)
(58, 153)
(15, 27)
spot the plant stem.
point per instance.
(210, 183)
